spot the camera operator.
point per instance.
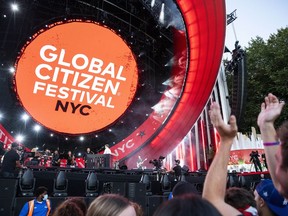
(158, 164)
(254, 157)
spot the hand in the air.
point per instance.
(227, 131)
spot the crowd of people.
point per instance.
(104, 205)
(270, 196)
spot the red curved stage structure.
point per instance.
(205, 22)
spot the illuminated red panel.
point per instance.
(205, 22)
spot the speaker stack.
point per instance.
(8, 189)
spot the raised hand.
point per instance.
(226, 131)
(270, 110)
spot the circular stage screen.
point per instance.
(76, 77)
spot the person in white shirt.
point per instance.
(107, 149)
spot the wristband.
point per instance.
(271, 143)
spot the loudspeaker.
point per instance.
(156, 187)
(55, 202)
(118, 188)
(137, 193)
(153, 202)
(8, 188)
(19, 203)
(6, 206)
(239, 90)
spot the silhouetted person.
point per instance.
(56, 158)
(264, 160)
(254, 157)
(177, 169)
(10, 162)
(2, 150)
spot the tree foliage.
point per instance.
(267, 65)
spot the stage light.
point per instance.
(4, 16)
(141, 54)
(25, 117)
(81, 138)
(11, 69)
(66, 138)
(37, 128)
(27, 183)
(92, 185)
(60, 185)
(19, 138)
(161, 16)
(14, 7)
(152, 3)
(1, 115)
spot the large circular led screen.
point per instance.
(76, 77)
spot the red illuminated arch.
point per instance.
(205, 22)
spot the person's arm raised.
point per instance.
(270, 111)
(216, 178)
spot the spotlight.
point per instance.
(37, 128)
(14, 7)
(19, 138)
(12, 69)
(25, 117)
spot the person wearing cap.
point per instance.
(275, 142)
(269, 201)
(10, 162)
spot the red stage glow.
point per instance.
(205, 23)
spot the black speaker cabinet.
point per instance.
(8, 188)
(118, 188)
(153, 202)
(19, 203)
(137, 193)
